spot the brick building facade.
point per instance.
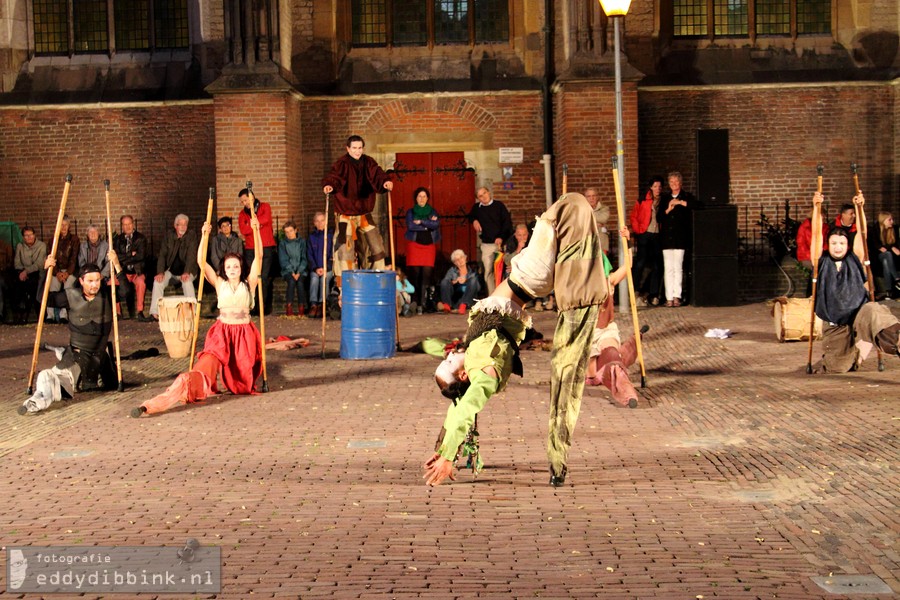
(268, 91)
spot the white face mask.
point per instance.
(448, 368)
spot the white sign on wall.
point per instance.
(512, 155)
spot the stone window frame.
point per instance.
(345, 27)
(110, 51)
(667, 24)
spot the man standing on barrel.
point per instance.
(355, 179)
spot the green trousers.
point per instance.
(568, 363)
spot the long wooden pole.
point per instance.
(565, 181)
(257, 244)
(393, 261)
(203, 248)
(863, 227)
(322, 297)
(112, 284)
(815, 251)
(40, 321)
(620, 208)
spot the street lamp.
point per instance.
(616, 10)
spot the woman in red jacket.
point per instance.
(647, 268)
(263, 213)
(804, 245)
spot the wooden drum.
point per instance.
(792, 319)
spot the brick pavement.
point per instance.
(738, 476)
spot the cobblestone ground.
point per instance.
(738, 475)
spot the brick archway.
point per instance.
(462, 108)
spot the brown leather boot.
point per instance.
(301, 310)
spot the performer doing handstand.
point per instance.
(563, 256)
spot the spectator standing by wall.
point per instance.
(493, 224)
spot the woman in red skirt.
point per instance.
(232, 347)
(423, 232)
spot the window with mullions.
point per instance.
(773, 17)
(428, 22)
(137, 25)
(133, 25)
(813, 16)
(491, 21)
(730, 17)
(51, 27)
(91, 28)
(721, 18)
(170, 23)
(451, 21)
(409, 23)
(689, 17)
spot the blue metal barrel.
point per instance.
(368, 314)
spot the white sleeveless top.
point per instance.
(234, 298)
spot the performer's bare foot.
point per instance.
(437, 469)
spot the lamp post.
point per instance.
(616, 10)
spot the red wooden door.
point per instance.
(452, 188)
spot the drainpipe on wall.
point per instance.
(549, 76)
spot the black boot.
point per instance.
(558, 480)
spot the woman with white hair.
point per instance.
(459, 286)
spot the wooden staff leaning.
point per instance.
(815, 251)
(257, 241)
(620, 208)
(565, 181)
(390, 219)
(113, 273)
(40, 321)
(862, 227)
(204, 246)
(322, 297)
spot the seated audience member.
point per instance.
(459, 286)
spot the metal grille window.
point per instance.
(773, 17)
(428, 22)
(690, 17)
(51, 26)
(730, 17)
(83, 26)
(719, 18)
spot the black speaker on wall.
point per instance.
(714, 256)
(713, 176)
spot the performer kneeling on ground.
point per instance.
(86, 363)
(852, 324)
(565, 249)
(609, 357)
(232, 346)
